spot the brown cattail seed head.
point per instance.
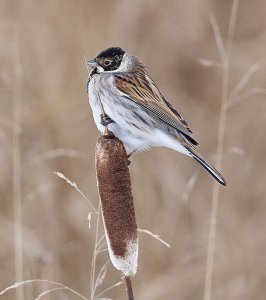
(114, 186)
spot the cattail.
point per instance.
(114, 186)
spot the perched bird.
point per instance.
(123, 97)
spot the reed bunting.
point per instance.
(123, 97)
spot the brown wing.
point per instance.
(143, 91)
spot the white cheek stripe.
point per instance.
(100, 69)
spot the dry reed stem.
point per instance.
(17, 204)
(94, 256)
(225, 54)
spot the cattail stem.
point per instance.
(129, 288)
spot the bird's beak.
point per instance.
(92, 63)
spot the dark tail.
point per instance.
(215, 174)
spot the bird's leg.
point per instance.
(106, 120)
(129, 155)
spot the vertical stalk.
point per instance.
(17, 205)
(129, 288)
(215, 194)
(226, 58)
(94, 257)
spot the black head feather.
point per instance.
(111, 52)
(110, 59)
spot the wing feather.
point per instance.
(140, 88)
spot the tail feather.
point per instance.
(208, 167)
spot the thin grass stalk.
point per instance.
(17, 205)
(94, 256)
(226, 59)
(25, 282)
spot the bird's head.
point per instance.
(108, 60)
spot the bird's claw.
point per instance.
(106, 120)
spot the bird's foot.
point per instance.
(106, 120)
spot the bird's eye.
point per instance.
(107, 62)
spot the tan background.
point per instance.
(42, 48)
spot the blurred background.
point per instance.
(46, 125)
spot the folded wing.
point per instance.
(140, 88)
